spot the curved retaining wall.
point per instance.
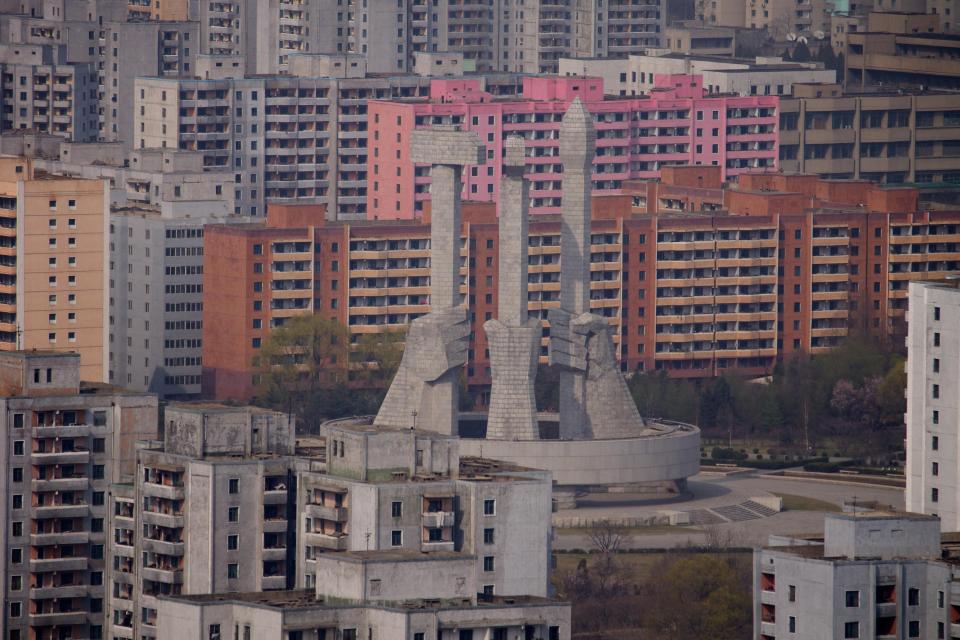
(649, 458)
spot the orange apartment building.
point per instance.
(701, 277)
(53, 254)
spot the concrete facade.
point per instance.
(933, 408)
(871, 575)
(64, 442)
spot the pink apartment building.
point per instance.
(677, 124)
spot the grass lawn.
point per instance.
(803, 503)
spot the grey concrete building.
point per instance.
(404, 489)
(207, 512)
(63, 443)
(41, 92)
(287, 139)
(129, 50)
(303, 615)
(933, 411)
(871, 575)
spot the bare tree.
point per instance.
(607, 537)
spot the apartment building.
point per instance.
(286, 138)
(207, 512)
(130, 50)
(870, 575)
(53, 271)
(888, 137)
(676, 124)
(164, 10)
(800, 261)
(410, 491)
(636, 74)
(902, 50)
(693, 38)
(64, 442)
(304, 615)
(42, 93)
(778, 17)
(933, 416)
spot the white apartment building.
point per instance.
(635, 74)
(871, 575)
(933, 401)
(287, 139)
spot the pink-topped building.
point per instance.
(676, 124)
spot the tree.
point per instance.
(307, 367)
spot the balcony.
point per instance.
(275, 554)
(58, 564)
(166, 576)
(163, 547)
(168, 520)
(168, 492)
(61, 430)
(63, 537)
(60, 484)
(317, 511)
(439, 545)
(275, 497)
(273, 583)
(62, 511)
(61, 457)
(438, 519)
(58, 619)
(324, 541)
(64, 591)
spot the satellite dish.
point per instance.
(792, 37)
(819, 35)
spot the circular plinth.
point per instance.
(663, 452)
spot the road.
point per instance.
(712, 491)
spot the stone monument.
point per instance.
(594, 400)
(513, 337)
(424, 392)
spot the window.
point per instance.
(17, 529)
(234, 485)
(233, 514)
(489, 507)
(18, 474)
(17, 501)
(215, 632)
(934, 494)
(233, 542)
(792, 624)
(488, 536)
(935, 469)
(913, 629)
(15, 609)
(940, 597)
(936, 314)
(396, 509)
(488, 563)
(913, 597)
(935, 443)
(396, 538)
(233, 571)
(792, 592)
(853, 599)
(851, 630)
(18, 447)
(16, 556)
(98, 472)
(936, 339)
(16, 583)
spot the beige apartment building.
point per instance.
(887, 137)
(779, 17)
(53, 252)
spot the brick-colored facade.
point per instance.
(791, 264)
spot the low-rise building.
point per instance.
(700, 39)
(64, 442)
(636, 74)
(871, 575)
(933, 413)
